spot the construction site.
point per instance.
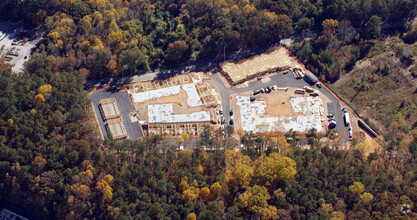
(282, 110)
(171, 107)
(275, 60)
(111, 116)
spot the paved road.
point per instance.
(125, 108)
(282, 80)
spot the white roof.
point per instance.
(157, 93)
(163, 113)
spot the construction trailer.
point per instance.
(310, 78)
(347, 118)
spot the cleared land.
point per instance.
(278, 59)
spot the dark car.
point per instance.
(319, 85)
(231, 112)
(267, 90)
(256, 92)
(231, 121)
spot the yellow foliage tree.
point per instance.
(191, 216)
(255, 200)
(104, 187)
(38, 100)
(216, 189)
(329, 27)
(194, 184)
(239, 177)
(190, 194)
(366, 198)
(200, 169)
(205, 194)
(45, 89)
(235, 157)
(357, 188)
(183, 184)
(270, 169)
(33, 112)
(9, 122)
(283, 146)
(338, 215)
(240, 132)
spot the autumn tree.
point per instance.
(38, 100)
(176, 51)
(329, 27)
(268, 170)
(255, 200)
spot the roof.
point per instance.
(163, 113)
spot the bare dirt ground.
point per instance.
(276, 58)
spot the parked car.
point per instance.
(267, 90)
(221, 111)
(262, 90)
(231, 122)
(330, 115)
(231, 112)
(256, 92)
(319, 85)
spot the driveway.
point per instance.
(283, 80)
(125, 107)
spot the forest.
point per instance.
(103, 38)
(54, 165)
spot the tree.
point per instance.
(366, 198)
(372, 28)
(239, 177)
(205, 194)
(356, 188)
(345, 31)
(216, 189)
(38, 100)
(176, 51)
(133, 60)
(190, 194)
(255, 200)
(268, 170)
(329, 27)
(47, 88)
(191, 216)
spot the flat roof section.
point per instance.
(279, 58)
(109, 109)
(116, 128)
(164, 114)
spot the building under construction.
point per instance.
(162, 121)
(113, 121)
(116, 128)
(109, 109)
